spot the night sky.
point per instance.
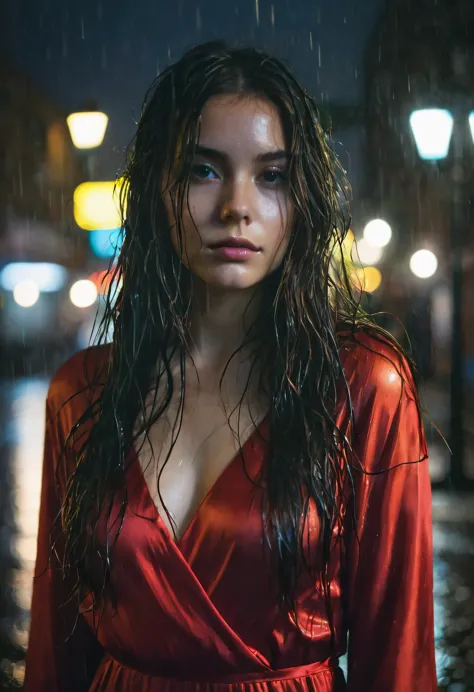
(111, 51)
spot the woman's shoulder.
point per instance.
(82, 374)
(375, 367)
(384, 404)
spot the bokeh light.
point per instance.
(46, 275)
(367, 279)
(87, 129)
(363, 253)
(103, 279)
(341, 251)
(347, 245)
(97, 205)
(377, 233)
(105, 243)
(423, 264)
(432, 129)
(26, 293)
(83, 293)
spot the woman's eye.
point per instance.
(203, 171)
(273, 176)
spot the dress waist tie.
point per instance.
(113, 675)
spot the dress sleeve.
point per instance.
(55, 663)
(389, 548)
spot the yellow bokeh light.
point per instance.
(367, 279)
(97, 205)
(342, 250)
(347, 244)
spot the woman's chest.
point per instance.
(182, 460)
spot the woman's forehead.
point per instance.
(249, 124)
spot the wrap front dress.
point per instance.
(201, 615)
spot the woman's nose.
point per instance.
(236, 203)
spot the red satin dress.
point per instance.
(201, 615)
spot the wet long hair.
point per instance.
(295, 338)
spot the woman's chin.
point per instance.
(231, 278)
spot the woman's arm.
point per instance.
(56, 660)
(389, 567)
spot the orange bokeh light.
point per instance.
(102, 280)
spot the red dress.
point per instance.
(201, 615)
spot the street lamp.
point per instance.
(433, 130)
(87, 128)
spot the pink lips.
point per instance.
(235, 249)
(235, 253)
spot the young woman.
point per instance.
(238, 484)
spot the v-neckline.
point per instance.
(158, 518)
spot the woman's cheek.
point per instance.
(202, 201)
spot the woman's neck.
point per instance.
(219, 323)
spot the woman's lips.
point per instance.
(235, 254)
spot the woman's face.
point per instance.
(236, 223)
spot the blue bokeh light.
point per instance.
(104, 243)
(47, 276)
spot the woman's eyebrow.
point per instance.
(273, 155)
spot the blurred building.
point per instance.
(39, 169)
(421, 54)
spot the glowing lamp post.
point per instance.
(87, 129)
(435, 133)
(432, 129)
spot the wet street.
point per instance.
(22, 406)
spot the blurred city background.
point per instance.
(395, 83)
